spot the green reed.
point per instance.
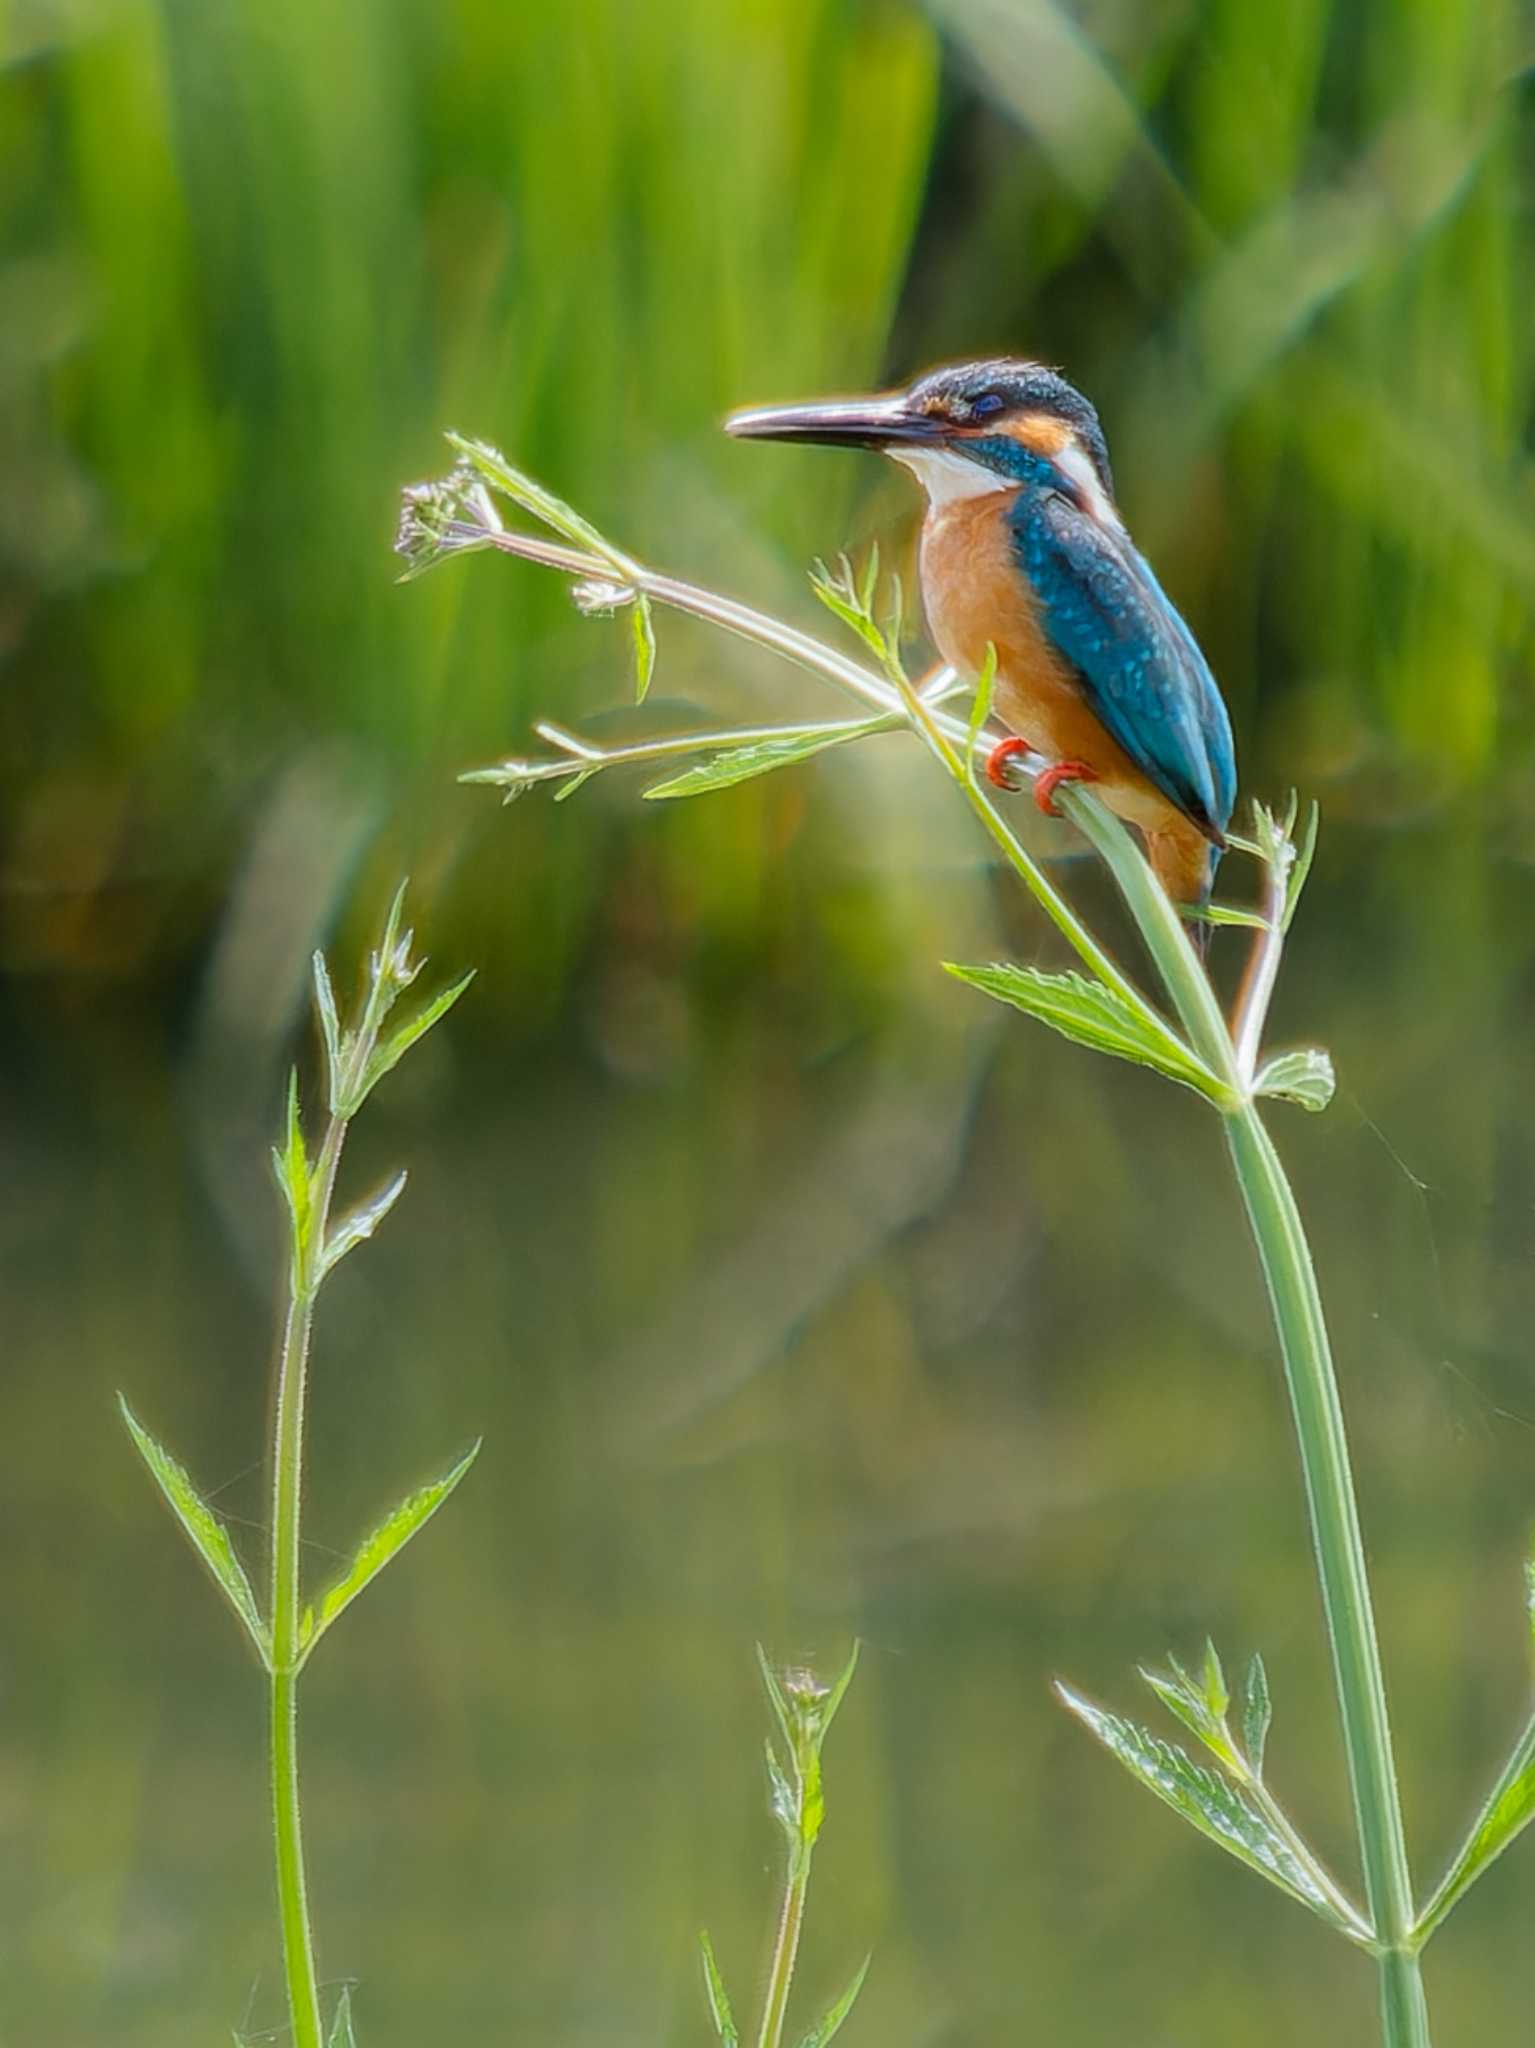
(358, 1052)
(1217, 1056)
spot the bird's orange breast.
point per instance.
(976, 596)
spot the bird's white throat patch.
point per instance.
(947, 477)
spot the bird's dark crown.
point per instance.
(973, 395)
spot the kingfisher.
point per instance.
(1023, 550)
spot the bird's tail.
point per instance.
(1184, 862)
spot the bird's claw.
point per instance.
(997, 760)
(1050, 779)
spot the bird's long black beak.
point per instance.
(840, 423)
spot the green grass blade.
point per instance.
(759, 757)
(376, 1550)
(1305, 1077)
(821, 2033)
(1207, 1801)
(718, 1996)
(209, 1537)
(1507, 1810)
(1090, 1013)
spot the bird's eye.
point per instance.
(983, 407)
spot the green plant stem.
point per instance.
(1339, 1546)
(785, 1948)
(287, 1529)
(1318, 1412)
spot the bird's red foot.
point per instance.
(997, 760)
(1050, 779)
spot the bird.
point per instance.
(1024, 551)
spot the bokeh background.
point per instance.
(797, 1293)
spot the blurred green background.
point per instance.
(796, 1292)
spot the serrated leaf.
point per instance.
(719, 1998)
(1257, 1712)
(760, 757)
(209, 1537)
(842, 599)
(1208, 1801)
(1305, 1077)
(643, 632)
(1507, 1810)
(341, 2035)
(393, 1050)
(360, 1225)
(821, 2033)
(1090, 1013)
(377, 1548)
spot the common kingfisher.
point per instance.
(1023, 550)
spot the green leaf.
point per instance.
(821, 2033)
(353, 1229)
(719, 1997)
(341, 2035)
(643, 631)
(210, 1539)
(1305, 1077)
(761, 757)
(1090, 1013)
(1228, 913)
(980, 708)
(375, 1550)
(776, 1698)
(1216, 1695)
(291, 1165)
(782, 1796)
(838, 1692)
(1182, 1698)
(845, 600)
(1207, 1801)
(330, 1028)
(1305, 853)
(1257, 1712)
(393, 1050)
(1507, 1810)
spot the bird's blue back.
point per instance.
(1141, 669)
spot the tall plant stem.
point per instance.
(1339, 1547)
(1318, 1412)
(287, 1531)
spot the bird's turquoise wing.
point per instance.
(1142, 672)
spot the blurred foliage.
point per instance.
(792, 1299)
